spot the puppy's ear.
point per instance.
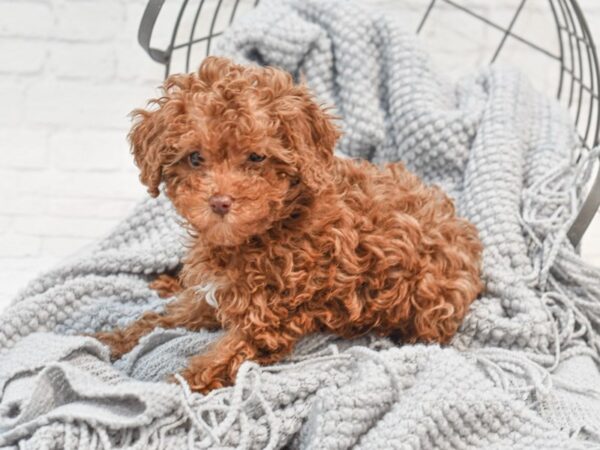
(310, 131)
(146, 139)
(149, 135)
(323, 132)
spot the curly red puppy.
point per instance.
(289, 239)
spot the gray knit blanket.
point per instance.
(521, 373)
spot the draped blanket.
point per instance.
(521, 373)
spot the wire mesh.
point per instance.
(571, 54)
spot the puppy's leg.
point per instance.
(189, 311)
(218, 367)
(166, 285)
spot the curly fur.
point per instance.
(312, 242)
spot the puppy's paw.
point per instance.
(166, 286)
(201, 381)
(116, 341)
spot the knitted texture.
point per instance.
(522, 371)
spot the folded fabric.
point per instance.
(521, 373)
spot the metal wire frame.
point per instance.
(165, 57)
(576, 54)
(576, 59)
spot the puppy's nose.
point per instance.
(221, 204)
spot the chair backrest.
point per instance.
(572, 58)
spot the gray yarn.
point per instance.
(521, 373)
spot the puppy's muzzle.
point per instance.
(220, 204)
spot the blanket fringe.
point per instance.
(208, 422)
(534, 380)
(549, 208)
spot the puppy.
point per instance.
(287, 239)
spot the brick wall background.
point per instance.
(70, 72)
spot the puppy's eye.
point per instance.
(255, 157)
(195, 160)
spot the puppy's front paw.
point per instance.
(202, 380)
(116, 341)
(166, 286)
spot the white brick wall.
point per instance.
(71, 71)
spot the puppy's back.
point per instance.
(421, 261)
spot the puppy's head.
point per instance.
(236, 146)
